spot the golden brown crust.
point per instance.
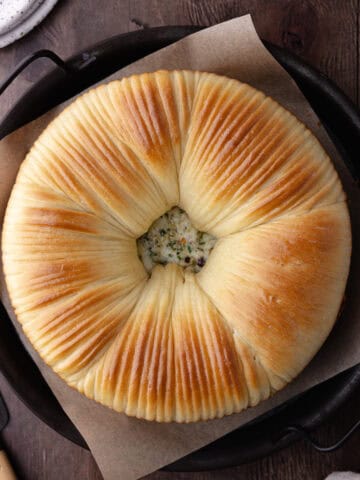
(177, 346)
(278, 286)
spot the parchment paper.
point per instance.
(127, 448)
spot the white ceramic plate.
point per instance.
(18, 17)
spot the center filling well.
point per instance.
(173, 239)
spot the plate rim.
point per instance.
(29, 22)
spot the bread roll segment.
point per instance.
(278, 286)
(176, 345)
(248, 160)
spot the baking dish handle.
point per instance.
(301, 432)
(68, 69)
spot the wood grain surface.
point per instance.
(323, 32)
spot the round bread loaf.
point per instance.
(175, 344)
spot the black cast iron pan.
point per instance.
(273, 430)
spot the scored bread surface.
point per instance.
(175, 345)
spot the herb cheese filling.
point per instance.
(173, 239)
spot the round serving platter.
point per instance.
(263, 435)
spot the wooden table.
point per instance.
(326, 34)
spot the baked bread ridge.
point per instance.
(177, 346)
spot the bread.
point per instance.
(174, 344)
